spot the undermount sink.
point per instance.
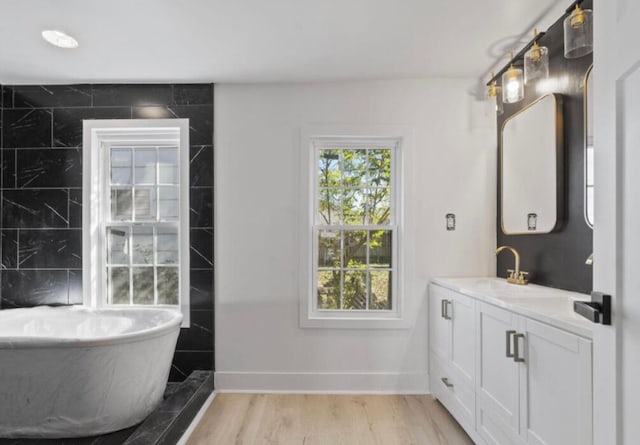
(547, 301)
(499, 287)
(492, 284)
(530, 295)
(541, 303)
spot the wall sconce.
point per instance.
(493, 95)
(536, 61)
(578, 33)
(512, 84)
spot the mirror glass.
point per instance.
(531, 158)
(588, 147)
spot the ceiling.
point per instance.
(263, 40)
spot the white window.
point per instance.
(354, 228)
(136, 219)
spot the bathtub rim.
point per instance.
(25, 342)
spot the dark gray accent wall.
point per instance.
(41, 194)
(558, 259)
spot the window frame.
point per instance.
(99, 137)
(343, 144)
(313, 140)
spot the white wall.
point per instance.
(450, 168)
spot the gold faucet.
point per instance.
(515, 276)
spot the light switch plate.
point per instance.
(451, 221)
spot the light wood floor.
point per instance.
(274, 419)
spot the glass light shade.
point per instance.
(578, 33)
(512, 85)
(494, 99)
(499, 108)
(536, 63)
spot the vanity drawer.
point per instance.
(494, 431)
(454, 393)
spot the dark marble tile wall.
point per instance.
(557, 259)
(41, 194)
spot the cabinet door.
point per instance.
(439, 326)
(463, 336)
(556, 386)
(497, 382)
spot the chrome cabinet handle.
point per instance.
(508, 335)
(446, 382)
(516, 348)
(444, 309)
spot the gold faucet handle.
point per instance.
(522, 278)
(512, 273)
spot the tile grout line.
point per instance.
(51, 136)
(17, 258)
(49, 193)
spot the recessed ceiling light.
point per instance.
(59, 38)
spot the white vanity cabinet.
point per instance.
(556, 389)
(498, 382)
(530, 381)
(452, 334)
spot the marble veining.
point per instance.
(200, 290)
(50, 249)
(52, 168)
(45, 96)
(201, 157)
(9, 249)
(26, 128)
(74, 205)
(41, 193)
(40, 208)
(185, 360)
(199, 333)
(27, 288)
(105, 95)
(200, 119)
(191, 94)
(201, 207)
(67, 122)
(201, 248)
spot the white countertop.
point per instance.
(545, 304)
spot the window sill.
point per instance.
(322, 322)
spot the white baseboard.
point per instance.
(325, 383)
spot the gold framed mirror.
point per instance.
(531, 168)
(588, 148)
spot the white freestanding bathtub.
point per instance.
(74, 372)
